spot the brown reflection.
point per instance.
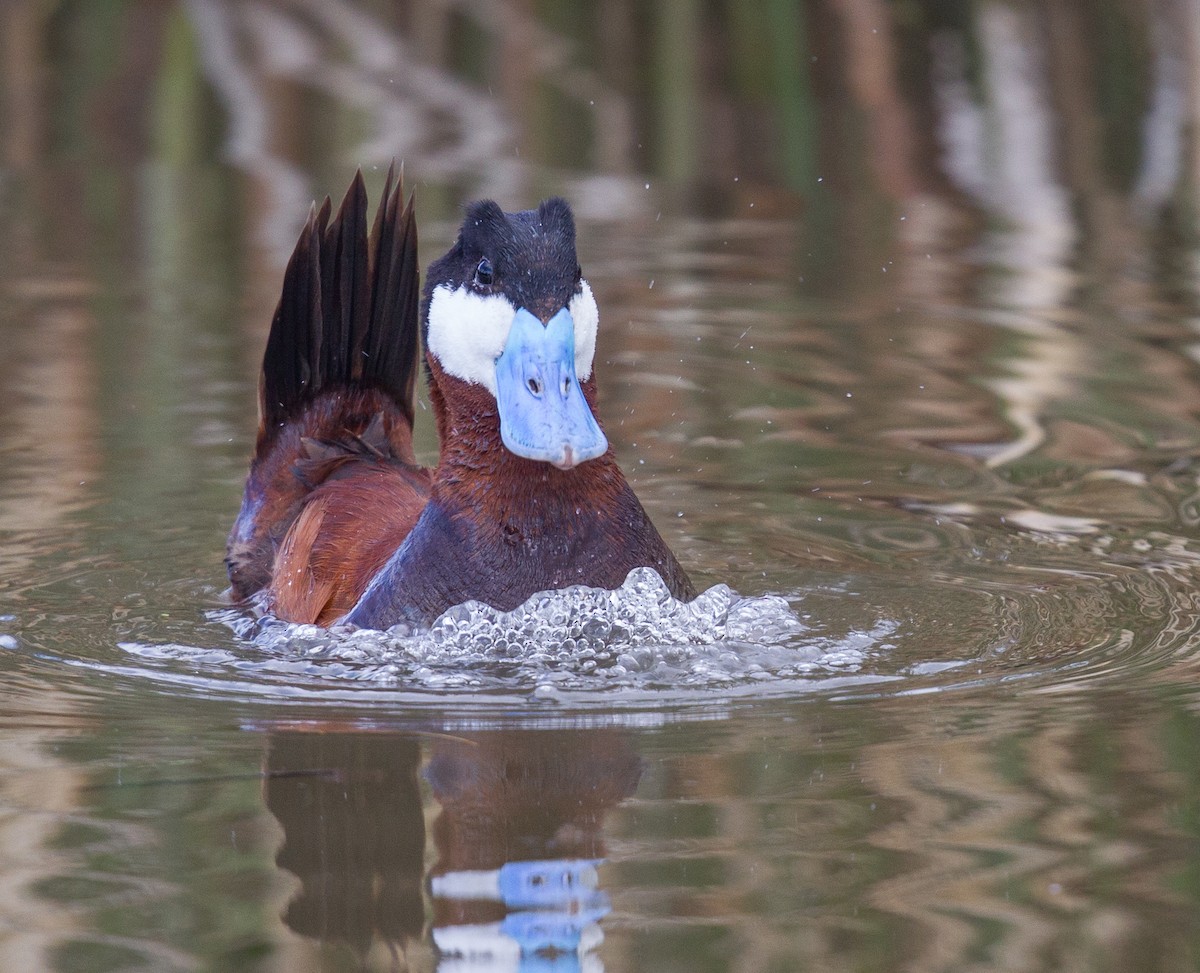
(22, 55)
(1037, 838)
(1039, 831)
(354, 821)
(48, 382)
(524, 795)
(971, 169)
(354, 835)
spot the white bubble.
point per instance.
(637, 638)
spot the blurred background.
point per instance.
(900, 319)
(953, 207)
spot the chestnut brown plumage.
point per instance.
(337, 521)
(333, 488)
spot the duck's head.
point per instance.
(510, 326)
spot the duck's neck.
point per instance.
(498, 528)
(512, 490)
(477, 473)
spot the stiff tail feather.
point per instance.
(339, 371)
(347, 317)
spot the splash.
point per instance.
(637, 636)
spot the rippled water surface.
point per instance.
(899, 331)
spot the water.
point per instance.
(898, 348)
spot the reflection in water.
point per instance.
(834, 843)
(1003, 156)
(1175, 33)
(900, 308)
(354, 835)
(918, 833)
(554, 909)
(517, 839)
(1047, 848)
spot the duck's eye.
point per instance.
(483, 273)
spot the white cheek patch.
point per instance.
(586, 316)
(467, 332)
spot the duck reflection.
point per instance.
(517, 828)
(518, 841)
(354, 834)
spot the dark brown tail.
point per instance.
(339, 370)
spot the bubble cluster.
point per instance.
(637, 636)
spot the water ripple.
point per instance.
(1027, 603)
(636, 639)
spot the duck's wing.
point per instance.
(335, 406)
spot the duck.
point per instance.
(338, 523)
